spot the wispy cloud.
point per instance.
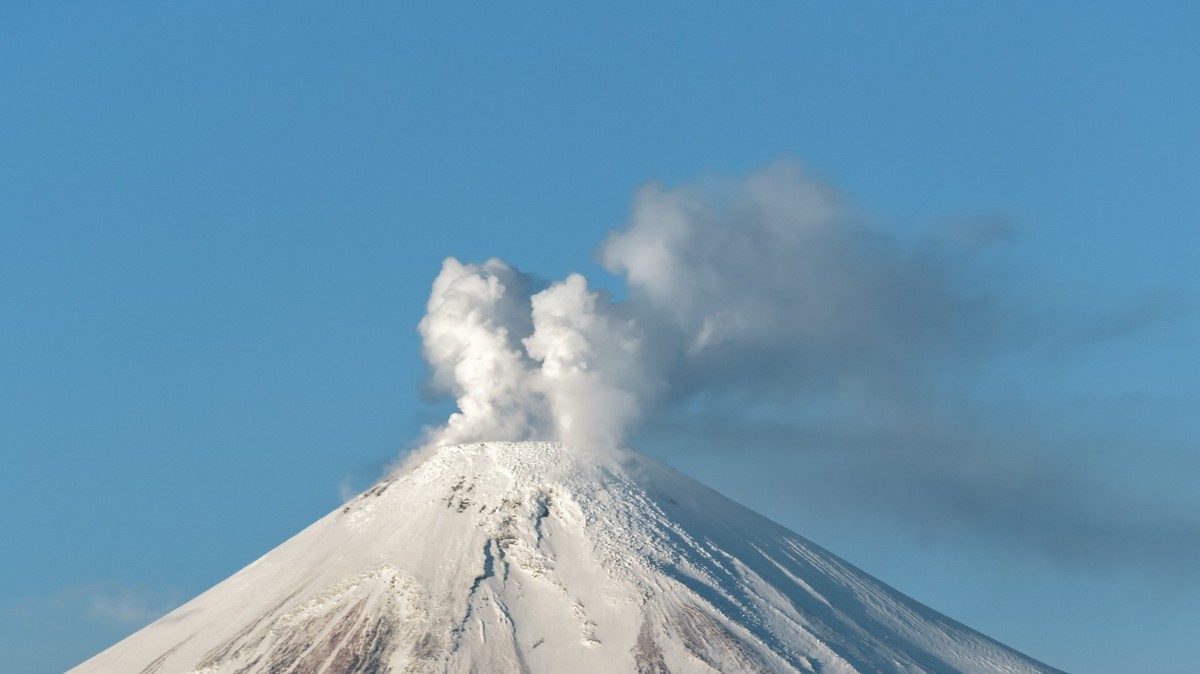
(111, 604)
(131, 606)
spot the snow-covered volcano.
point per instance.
(528, 557)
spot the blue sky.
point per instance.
(219, 224)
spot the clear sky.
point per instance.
(219, 223)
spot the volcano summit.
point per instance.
(529, 557)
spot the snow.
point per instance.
(530, 557)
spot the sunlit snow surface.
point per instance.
(528, 557)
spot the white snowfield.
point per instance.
(528, 557)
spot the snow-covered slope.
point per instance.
(528, 557)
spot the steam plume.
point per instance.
(770, 283)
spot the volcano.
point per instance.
(531, 557)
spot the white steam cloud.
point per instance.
(471, 336)
(556, 364)
(767, 313)
(769, 283)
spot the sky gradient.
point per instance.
(219, 225)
